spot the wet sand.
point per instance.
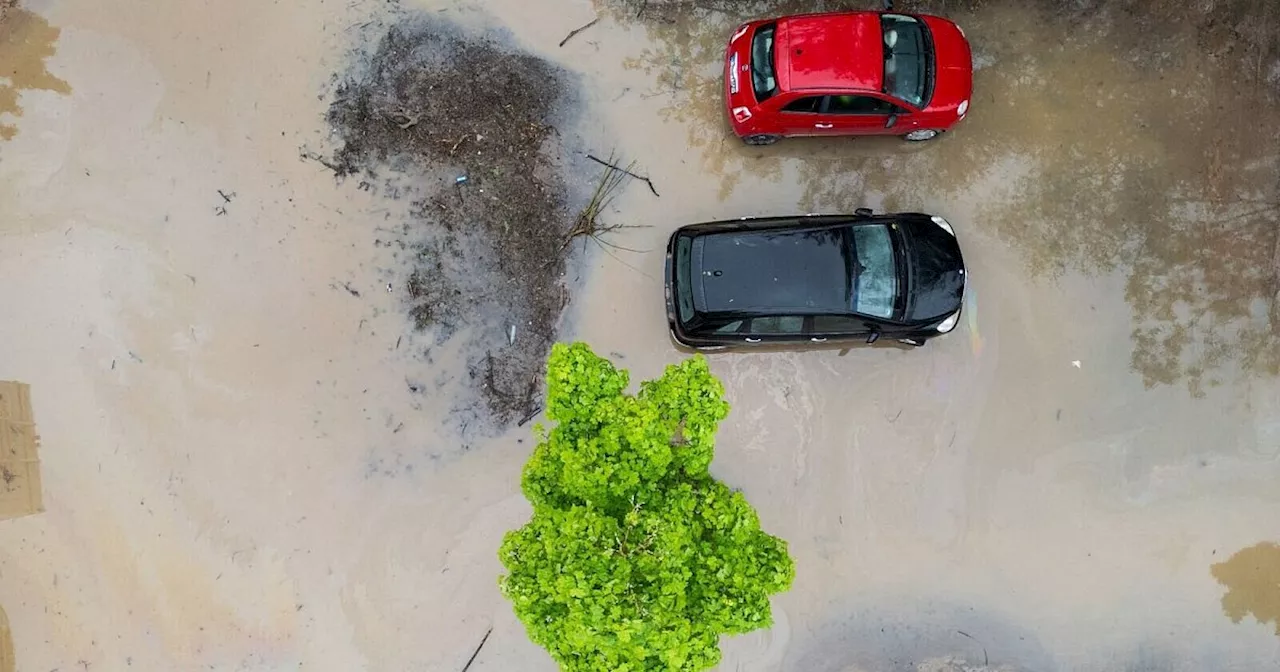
(237, 476)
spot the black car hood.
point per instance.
(935, 271)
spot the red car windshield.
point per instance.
(764, 81)
(908, 60)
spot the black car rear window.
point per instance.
(684, 279)
(764, 81)
(908, 59)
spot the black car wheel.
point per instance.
(761, 139)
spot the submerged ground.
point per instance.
(260, 453)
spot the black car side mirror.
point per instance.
(873, 337)
(893, 119)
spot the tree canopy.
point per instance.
(636, 559)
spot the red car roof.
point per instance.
(830, 51)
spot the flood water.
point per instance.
(237, 475)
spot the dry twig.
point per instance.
(986, 660)
(312, 156)
(475, 653)
(588, 223)
(626, 170)
(410, 120)
(575, 31)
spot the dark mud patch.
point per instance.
(472, 124)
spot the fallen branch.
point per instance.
(588, 223)
(490, 380)
(457, 144)
(628, 172)
(575, 31)
(618, 259)
(986, 661)
(410, 120)
(475, 653)
(531, 415)
(322, 161)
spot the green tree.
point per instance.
(636, 559)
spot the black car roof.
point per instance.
(792, 271)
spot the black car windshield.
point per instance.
(875, 275)
(907, 58)
(763, 78)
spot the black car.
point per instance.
(814, 278)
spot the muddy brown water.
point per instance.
(237, 476)
(1252, 579)
(6, 645)
(26, 42)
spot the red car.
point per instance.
(847, 73)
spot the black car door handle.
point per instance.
(753, 340)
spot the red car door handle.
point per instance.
(824, 125)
